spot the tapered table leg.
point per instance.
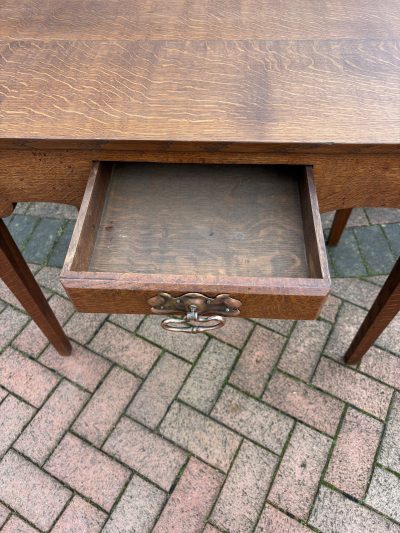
(19, 279)
(338, 225)
(383, 310)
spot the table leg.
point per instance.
(19, 279)
(383, 310)
(338, 225)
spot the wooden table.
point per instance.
(306, 82)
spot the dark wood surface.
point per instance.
(19, 279)
(382, 312)
(338, 226)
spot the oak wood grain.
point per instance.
(149, 252)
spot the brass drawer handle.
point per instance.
(193, 305)
(189, 324)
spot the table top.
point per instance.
(287, 72)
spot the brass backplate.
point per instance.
(223, 304)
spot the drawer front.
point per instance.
(251, 232)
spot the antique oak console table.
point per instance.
(198, 139)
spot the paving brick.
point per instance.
(253, 419)
(25, 377)
(3, 394)
(192, 499)
(30, 491)
(210, 529)
(147, 453)
(40, 437)
(158, 391)
(187, 346)
(347, 324)
(304, 403)
(283, 327)
(106, 406)
(21, 227)
(274, 521)
(390, 338)
(235, 331)
(383, 215)
(195, 432)
(63, 308)
(346, 256)
(334, 513)
(245, 489)
(49, 278)
(302, 352)
(330, 308)
(7, 296)
(389, 455)
(384, 493)
(11, 323)
(383, 366)
(351, 463)
(42, 240)
(47, 209)
(31, 340)
(202, 388)
(87, 470)
(257, 361)
(16, 525)
(125, 349)
(80, 517)
(296, 482)
(4, 513)
(353, 387)
(137, 509)
(356, 291)
(83, 366)
(129, 322)
(14, 414)
(375, 249)
(59, 251)
(82, 326)
(392, 232)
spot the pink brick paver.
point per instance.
(258, 427)
(41, 436)
(191, 501)
(296, 481)
(274, 521)
(253, 419)
(147, 453)
(353, 387)
(30, 491)
(106, 406)
(138, 508)
(26, 378)
(351, 463)
(80, 517)
(257, 360)
(16, 525)
(83, 367)
(123, 348)
(87, 470)
(14, 414)
(245, 489)
(158, 391)
(304, 403)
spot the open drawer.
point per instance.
(147, 234)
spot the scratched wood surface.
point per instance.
(290, 72)
(223, 220)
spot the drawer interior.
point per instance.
(220, 220)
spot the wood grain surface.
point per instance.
(331, 91)
(222, 220)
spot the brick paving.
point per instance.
(257, 428)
